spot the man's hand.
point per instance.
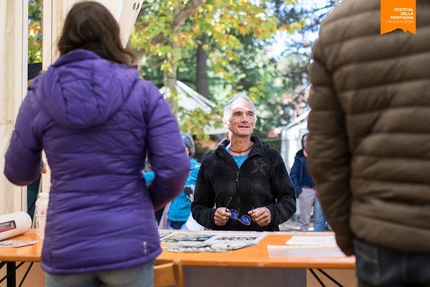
(221, 216)
(261, 216)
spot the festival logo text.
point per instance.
(398, 14)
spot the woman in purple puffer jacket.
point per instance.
(96, 121)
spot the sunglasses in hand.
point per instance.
(244, 219)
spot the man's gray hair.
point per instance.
(238, 98)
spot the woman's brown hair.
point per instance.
(89, 25)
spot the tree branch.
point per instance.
(180, 18)
(159, 39)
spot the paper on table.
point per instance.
(16, 243)
(307, 246)
(312, 241)
(210, 241)
(304, 251)
(246, 237)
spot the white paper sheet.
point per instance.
(312, 240)
(288, 251)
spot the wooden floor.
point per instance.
(34, 278)
(345, 277)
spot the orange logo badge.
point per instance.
(398, 14)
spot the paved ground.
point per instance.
(293, 226)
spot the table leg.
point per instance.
(316, 277)
(326, 275)
(11, 274)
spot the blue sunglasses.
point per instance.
(244, 219)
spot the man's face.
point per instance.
(242, 119)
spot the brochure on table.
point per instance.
(207, 241)
(307, 246)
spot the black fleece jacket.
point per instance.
(262, 180)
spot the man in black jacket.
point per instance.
(244, 185)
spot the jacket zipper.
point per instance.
(238, 190)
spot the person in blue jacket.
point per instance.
(303, 185)
(180, 208)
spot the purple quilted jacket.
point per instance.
(96, 120)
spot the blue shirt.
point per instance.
(239, 159)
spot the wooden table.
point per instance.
(241, 267)
(258, 255)
(254, 266)
(10, 256)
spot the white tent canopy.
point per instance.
(13, 84)
(191, 100)
(188, 98)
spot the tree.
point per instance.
(167, 32)
(202, 84)
(226, 44)
(297, 56)
(34, 31)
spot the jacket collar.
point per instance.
(257, 149)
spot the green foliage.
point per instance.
(192, 122)
(294, 61)
(222, 20)
(34, 31)
(237, 33)
(239, 36)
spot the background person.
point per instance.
(303, 185)
(320, 224)
(244, 178)
(149, 175)
(97, 120)
(369, 137)
(180, 208)
(34, 187)
(32, 193)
